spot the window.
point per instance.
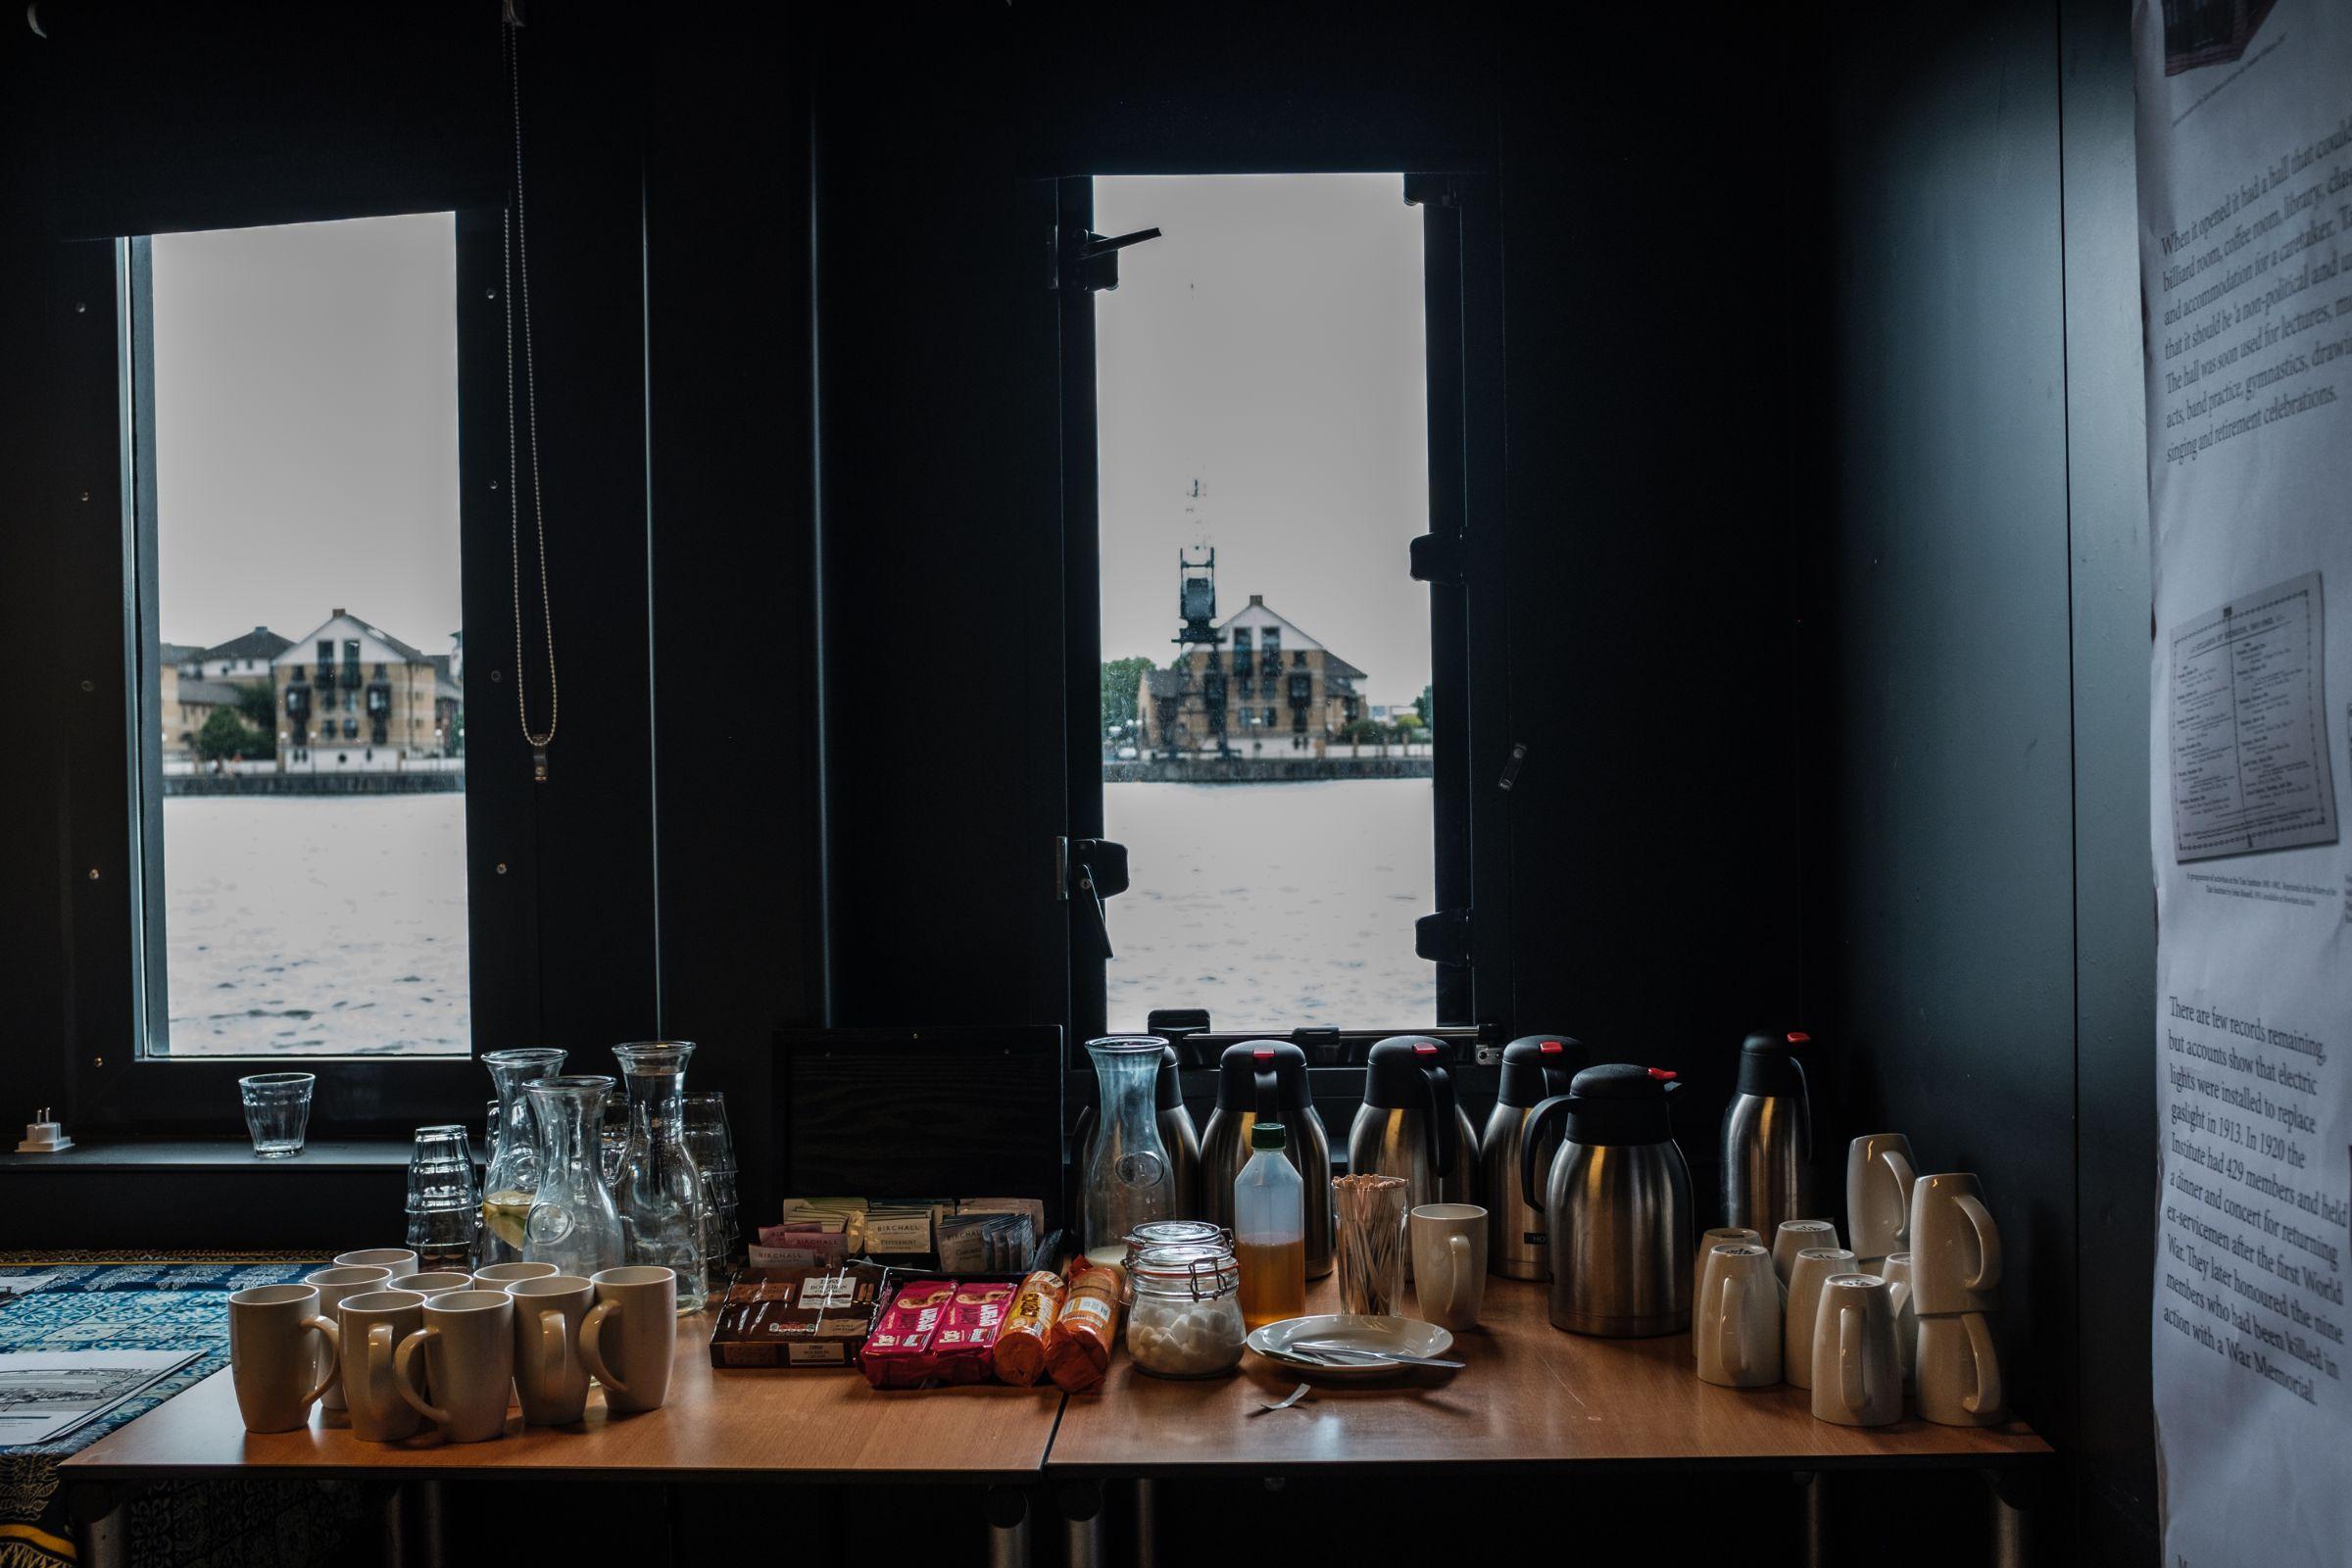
(1270, 426)
(295, 445)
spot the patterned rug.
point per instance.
(121, 1301)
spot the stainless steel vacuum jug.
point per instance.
(1177, 1135)
(1266, 1080)
(1768, 1139)
(1409, 1125)
(1534, 1069)
(1617, 1204)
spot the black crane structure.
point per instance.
(1196, 606)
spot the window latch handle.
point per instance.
(1098, 870)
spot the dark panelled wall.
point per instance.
(1984, 677)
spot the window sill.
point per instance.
(157, 1156)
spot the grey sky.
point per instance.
(1270, 346)
(306, 428)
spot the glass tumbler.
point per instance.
(277, 1110)
(712, 1146)
(444, 1209)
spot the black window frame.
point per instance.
(112, 834)
(1461, 256)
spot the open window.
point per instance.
(1262, 432)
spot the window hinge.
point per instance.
(1437, 559)
(1086, 260)
(1443, 937)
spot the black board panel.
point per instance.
(921, 1112)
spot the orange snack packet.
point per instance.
(1020, 1348)
(1078, 1346)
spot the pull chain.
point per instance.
(515, 257)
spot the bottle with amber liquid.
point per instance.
(1269, 1230)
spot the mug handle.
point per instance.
(555, 1347)
(376, 1364)
(1989, 1242)
(1900, 1169)
(1729, 1342)
(1849, 1359)
(591, 1349)
(334, 1358)
(405, 1380)
(1987, 1396)
(1458, 1269)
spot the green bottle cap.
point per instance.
(1266, 1135)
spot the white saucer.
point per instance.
(1405, 1334)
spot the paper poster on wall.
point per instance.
(2246, 211)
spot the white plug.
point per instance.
(43, 1136)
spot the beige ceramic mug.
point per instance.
(1793, 1238)
(437, 1282)
(1895, 1269)
(549, 1374)
(1736, 1318)
(1955, 1247)
(1878, 1193)
(1799, 1314)
(468, 1346)
(1959, 1371)
(500, 1276)
(374, 1324)
(333, 1285)
(1449, 1261)
(1856, 1380)
(630, 1336)
(1721, 1236)
(274, 1360)
(397, 1261)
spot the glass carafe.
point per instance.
(1128, 1179)
(659, 1192)
(512, 1175)
(572, 1224)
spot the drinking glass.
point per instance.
(712, 1146)
(444, 1208)
(277, 1110)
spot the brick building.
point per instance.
(1263, 682)
(354, 687)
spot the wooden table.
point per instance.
(1530, 1398)
(807, 1426)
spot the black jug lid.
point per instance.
(1168, 1089)
(1768, 1063)
(1393, 1070)
(1621, 1103)
(1237, 1074)
(1535, 1067)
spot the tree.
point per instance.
(1122, 679)
(1410, 730)
(224, 737)
(258, 706)
(1421, 705)
(1361, 731)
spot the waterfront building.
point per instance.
(355, 687)
(1262, 682)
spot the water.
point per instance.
(1273, 906)
(316, 925)
(335, 925)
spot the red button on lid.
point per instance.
(1797, 1037)
(1551, 1047)
(1424, 1050)
(1262, 1055)
(1662, 1074)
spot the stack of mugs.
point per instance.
(1933, 1242)
(1901, 1317)
(372, 1334)
(1751, 1321)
